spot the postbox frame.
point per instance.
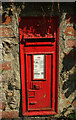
(23, 77)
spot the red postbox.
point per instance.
(39, 54)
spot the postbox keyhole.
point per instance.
(34, 86)
(37, 87)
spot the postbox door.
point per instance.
(38, 79)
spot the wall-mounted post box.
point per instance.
(39, 65)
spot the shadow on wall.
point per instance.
(70, 84)
(71, 19)
(69, 62)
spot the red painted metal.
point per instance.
(39, 36)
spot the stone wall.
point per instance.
(10, 84)
(10, 70)
(67, 63)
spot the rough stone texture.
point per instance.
(10, 67)
(5, 66)
(7, 20)
(10, 114)
(67, 67)
(70, 31)
(71, 43)
(6, 32)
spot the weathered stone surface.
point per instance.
(11, 41)
(5, 66)
(8, 57)
(6, 20)
(70, 31)
(71, 43)
(70, 18)
(10, 114)
(9, 93)
(2, 105)
(6, 32)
